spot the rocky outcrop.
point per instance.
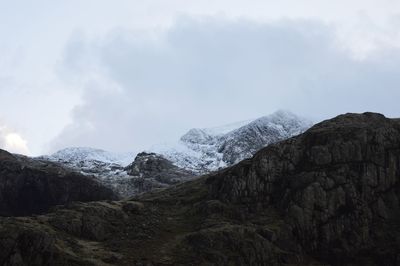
(150, 171)
(337, 187)
(30, 186)
(327, 197)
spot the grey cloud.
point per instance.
(208, 72)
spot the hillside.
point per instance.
(29, 186)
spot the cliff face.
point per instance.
(30, 186)
(327, 197)
(337, 187)
(150, 171)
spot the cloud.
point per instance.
(143, 88)
(12, 141)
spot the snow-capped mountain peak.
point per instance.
(208, 149)
(91, 161)
(198, 136)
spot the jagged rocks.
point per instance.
(150, 170)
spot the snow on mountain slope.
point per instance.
(197, 158)
(204, 150)
(83, 154)
(247, 140)
(125, 173)
(92, 161)
(107, 166)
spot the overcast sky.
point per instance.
(123, 75)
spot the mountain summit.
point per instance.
(209, 149)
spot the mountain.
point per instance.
(118, 172)
(205, 150)
(199, 151)
(330, 196)
(29, 186)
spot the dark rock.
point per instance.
(152, 170)
(329, 184)
(29, 186)
(26, 247)
(132, 207)
(228, 245)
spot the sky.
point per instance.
(123, 75)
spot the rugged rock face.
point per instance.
(327, 197)
(150, 170)
(337, 187)
(32, 186)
